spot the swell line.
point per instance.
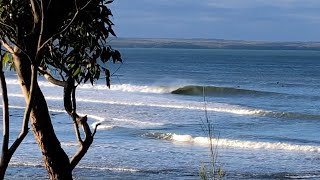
(222, 108)
(233, 143)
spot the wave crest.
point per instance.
(218, 91)
(230, 143)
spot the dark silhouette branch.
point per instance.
(5, 109)
(41, 27)
(25, 122)
(50, 78)
(6, 151)
(75, 116)
(84, 145)
(71, 109)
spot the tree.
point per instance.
(66, 42)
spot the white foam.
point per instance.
(181, 138)
(25, 163)
(135, 123)
(69, 144)
(268, 145)
(235, 143)
(114, 87)
(297, 176)
(215, 108)
(145, 89)
(120, 169)
(98, 118)
(102, 126)
(41, 83)
(105, 127)
(115, 121)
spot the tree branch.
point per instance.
(7, 46)
(71, 108)
(50, 78)
(7, 153)
(85, 145)
(75, 115)
(4, 24)
(13, 50)
(5, 115)
(35, 14)
(24, 128)
(41, 27)
(95, 129)
(67, 97)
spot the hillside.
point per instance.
(212, 44)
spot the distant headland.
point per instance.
(212, 44)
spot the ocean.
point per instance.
(263, 106)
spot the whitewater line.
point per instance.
(231, 109)
(115, 87)
(97, 118)
(127, 122)
(40, 164)
(234, 143)
(200, 108)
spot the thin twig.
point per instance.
(41, 30)
(4, 24)
(116, 70)
(68, 25)
(7, 46)
(95, 129)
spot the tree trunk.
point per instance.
(3, 167)
(55, 159)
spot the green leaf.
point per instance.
(76, 72)
(6, 59)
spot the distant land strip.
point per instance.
(212, 44)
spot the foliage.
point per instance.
(75, 45)
(82, 50)
(64, 36)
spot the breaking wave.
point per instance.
(219, 91)
(174, 89)
(229, 143)
(133, 88)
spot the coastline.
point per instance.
(212, 44)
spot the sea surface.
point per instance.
(263, 106)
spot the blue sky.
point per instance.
(271, 20)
